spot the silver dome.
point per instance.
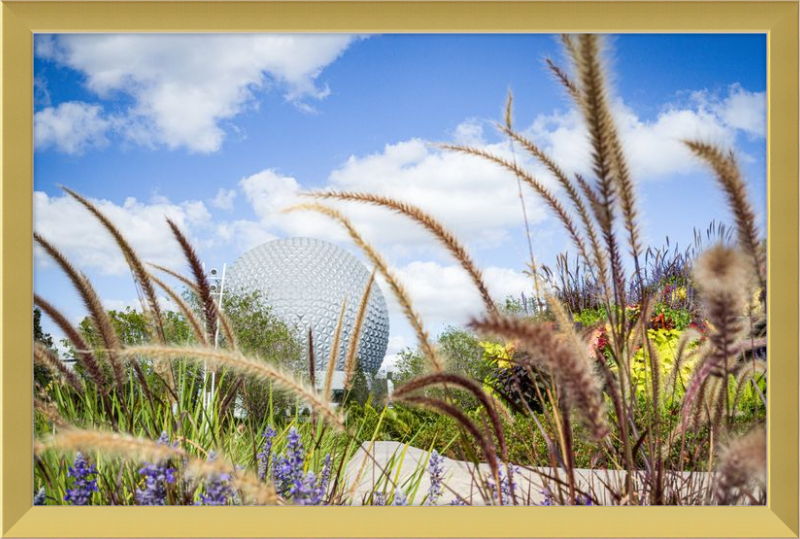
(305, 281)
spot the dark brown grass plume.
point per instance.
(601, 128)
(140, 276)
(200, 280)
(84, 354)
(564, 79)
(445, 379)
(730, 178)
(432, 225)
(93, 304)
(45, 357)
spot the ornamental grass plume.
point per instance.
(84, 481)
(724, 280)
(743, 468)
(428, 222)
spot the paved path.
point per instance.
(407, 466)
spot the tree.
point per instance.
(41, 374)
(410, 363)
(259, 332)
(463, 353)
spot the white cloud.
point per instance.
(269, 193)
(71, 128)
(464, 192)
(469, 133)
(445, 295)
(224, 199)
(244, 234)
(71, 228)
(743, 110)
(654, 148)
(185, 86)
(135, 304)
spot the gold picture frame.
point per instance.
(20, 20)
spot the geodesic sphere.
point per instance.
(305, 281)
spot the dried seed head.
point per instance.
(724, 270)
(743, 466)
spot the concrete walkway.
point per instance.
(407, 467)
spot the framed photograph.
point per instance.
(533, 261)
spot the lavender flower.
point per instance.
(85, 483)
(400, 498)
(288, 469)
(263, 456)
(436, 471)
(548, 497)
(291, 482)
(39, 498)
(156, 477)
(458, 501)
(507, 484)
(325, 476)
(378, 498)
(217, 489)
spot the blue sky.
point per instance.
(222, 132)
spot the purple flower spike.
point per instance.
(40, 497)
(436, 472)
(263, 456)
(85, 482)
(156, 477)
(400, 498)
(217, 490)
(288, 469)
(507, 484)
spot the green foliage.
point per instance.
(665, 342)
(259, 332)
(410, 363)
(463, 353)
(673, 318)
(359, 391)
(591, 317)
(41, 374)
